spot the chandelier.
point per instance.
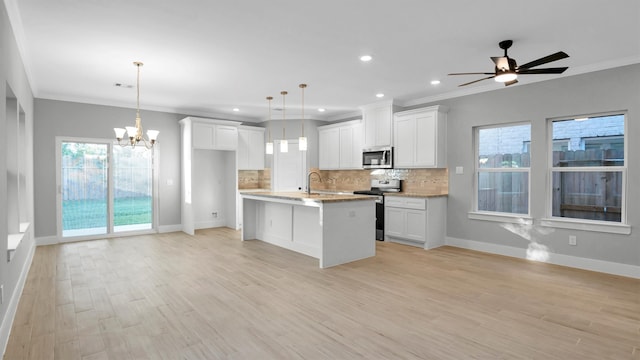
(134, 133)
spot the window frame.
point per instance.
(550, 220)
(477, 214)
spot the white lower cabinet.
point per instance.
(415, 221)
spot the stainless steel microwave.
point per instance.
(377, 158)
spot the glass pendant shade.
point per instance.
(284, 146)
(269, 148)
(132, 131)
(152, 135)
(119, 133)
(302, 143)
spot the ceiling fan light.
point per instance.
(506, 76)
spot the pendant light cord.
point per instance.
(284, 115)
(302, 86)
(269, 98)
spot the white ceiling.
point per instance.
(205, 57)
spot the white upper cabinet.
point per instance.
(329, 151)
(420, 138)
(250, 148)
(377, 120)
(340, 146)
(351, 146)
(214, 135)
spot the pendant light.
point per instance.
(134, 133)
(284, 145)
(269, 145)
(302, 140)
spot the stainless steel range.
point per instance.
(378, 189)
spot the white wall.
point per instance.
(59, 118)
(214, 188)
(609, 90)
(13, 274)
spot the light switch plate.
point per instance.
(459, 170)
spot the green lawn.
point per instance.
(85, 214)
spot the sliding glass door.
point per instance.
(132, 189)
(84, 189)
(96, 199)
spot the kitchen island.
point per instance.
(334, 228)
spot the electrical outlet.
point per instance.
(352, 213)
(572, 240)
(215, 214)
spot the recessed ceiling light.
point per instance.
(435, 82)
(379, 95)
(236, 109)
(322, 110)
(365, 58)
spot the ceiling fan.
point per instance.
(507, 71)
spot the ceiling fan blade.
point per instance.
(475, 81)
(558, 70)
(547, 59)
(510, 82)
(472, 73)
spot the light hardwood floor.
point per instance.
(211, 296)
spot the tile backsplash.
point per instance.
(254, 179)
(418, 181)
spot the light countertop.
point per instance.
(303, 196)
(416, 195)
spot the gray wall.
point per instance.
(12, 72)
(602, 91)
(59, 118)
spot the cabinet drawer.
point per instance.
(405, 202)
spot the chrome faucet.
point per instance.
(309, 180)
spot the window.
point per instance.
(502, 170)
(588, 175)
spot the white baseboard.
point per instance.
(47, 240)
(169, 228)
(12, 307)
(557, 259)
(210, 224)
(52, 240)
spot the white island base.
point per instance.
(333, 231)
